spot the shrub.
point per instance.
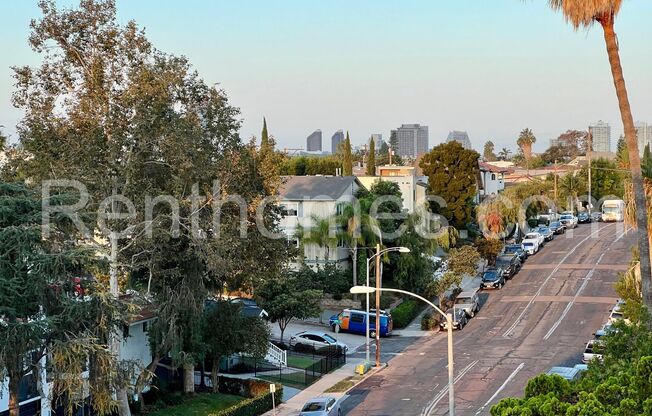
(429, 322)
(254, 406)
(405, 312)
(243, 387)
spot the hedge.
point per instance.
(249, 388)
(253, 407)
(405, 313)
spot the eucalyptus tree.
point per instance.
(584, 14)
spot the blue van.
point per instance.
(354, 321)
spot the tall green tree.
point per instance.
(347, 162)
(452, 174)
(286, 298)
(646, 163)
(371, 159)
(504, 154)
(585, 13)
(42, 288)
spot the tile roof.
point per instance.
(317, 187)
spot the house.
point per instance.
(491, 180)
(303, 199)
(413, 188)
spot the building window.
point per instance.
(289, 210)
(293, 242)
(339, 209)
(145, 327)
(493, 176)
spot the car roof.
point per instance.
(321, 334)
(467, 293)
(566, 372)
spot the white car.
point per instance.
(532, 242)
(616, 314)
(593, 351)
(568, 220)
(321, 406)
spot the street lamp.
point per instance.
(379, 252)
(449, 324)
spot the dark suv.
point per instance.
(516, 250)
(509, 264)
(493, 278)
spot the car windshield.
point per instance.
(528, 244)
(511, 249)
(313, 407)
(503, 262)
(543, 229)
(555, 224)
(490, 275)
(566, 217)
(532, 236)
(461, 301)
(329, 338)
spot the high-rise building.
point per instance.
(336, 139)
(643, 135)
(313, 142)
(600, 136)
(461, 137)
(411, 140)
(378, 141)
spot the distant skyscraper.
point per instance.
(461, 137)
(378, 140)
(643, 135)
(337, 138)
(600, 136)
(411, 140)
(313, 142)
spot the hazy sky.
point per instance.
(491, 67)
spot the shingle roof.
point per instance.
(298, 188)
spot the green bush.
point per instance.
(253, 407)
(429, 322)
(405, 312)
(243, 387)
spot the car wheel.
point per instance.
(372, 334)
(339, 412)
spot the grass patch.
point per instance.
(343, 385)
(200, 405)
(300, 362)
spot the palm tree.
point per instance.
(321, 233)
(584, 13)
(525, 141)
(359, 230)
(504, 153)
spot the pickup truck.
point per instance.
(532, 243)
(593, 351)
(568, 220)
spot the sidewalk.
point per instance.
(294, 405)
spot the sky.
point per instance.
(491, 68)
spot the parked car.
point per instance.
(546, 232)
(616, 314)
(468, 302)
(354, 321)
(321, 406)
(568, 220)
(569, 373)
(510, 265)
(593, 351)
(516, 250)
(316, 341)
(460, 319)
(532, 243)
(493, 278)
(557, 227)
(583, 218)
(596, 216)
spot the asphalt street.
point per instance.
(542, 318)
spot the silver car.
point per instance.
(316, 341)
(468, 301)
(321, 406)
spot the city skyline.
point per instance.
(359, 79)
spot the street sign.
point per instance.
(272, 388)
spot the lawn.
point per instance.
(200, 405)
(343, 385)
(300, 362)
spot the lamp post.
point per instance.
(449, 324)
(376, 256)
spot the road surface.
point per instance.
(542, 318)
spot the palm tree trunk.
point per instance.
(355, 266)
(188, 378)
(607, 23)
(215, 374)
(14, 391)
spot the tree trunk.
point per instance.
(611, 41)
(355, 267)
(215, 374)
(123, 402)
(14, 391)
(188, 378)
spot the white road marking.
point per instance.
(520, 316)
(572, 302)
(442, 393)
(511, 376)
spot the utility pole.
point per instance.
(378, 286)
(555, 181)
(588, 154)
